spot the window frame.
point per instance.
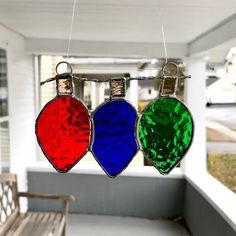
(6, 118)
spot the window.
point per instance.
(4, 119)
(221, 122)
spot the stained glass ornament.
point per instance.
(166, 128)
(63, 127)
(114, 140)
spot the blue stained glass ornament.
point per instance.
(114, 142)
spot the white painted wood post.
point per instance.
(93, 96)
(100, 93)
(133, 93)
(195, 160)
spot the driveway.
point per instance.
(221, 128)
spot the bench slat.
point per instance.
(52, 228)
(60, 228)
(9, 221)
(43, 224)
(37, 224)
(18, 225)
(32, 224)
(57, 226)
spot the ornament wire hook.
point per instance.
(61, 75)
(68, 66)
(169, 74)
(165, 71)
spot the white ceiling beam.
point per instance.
(104, 49)
(219, 35)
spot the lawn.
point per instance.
(223, 167)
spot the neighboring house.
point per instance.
(222, 89)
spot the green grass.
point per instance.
(223, 167)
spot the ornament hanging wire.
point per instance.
(164, 75)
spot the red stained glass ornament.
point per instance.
(63, 132)
(63, 128)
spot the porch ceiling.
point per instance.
(115, 21)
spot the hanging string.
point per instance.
(71, 28)
(163, 34)
(164, 42)
(127, 77)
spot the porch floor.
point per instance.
(94, 225)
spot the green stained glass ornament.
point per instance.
(165, 129)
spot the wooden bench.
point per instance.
(15, 223)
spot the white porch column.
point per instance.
(99, 93)
(195, 160)
(133, 93)
(93, 96)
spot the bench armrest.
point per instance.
(64, 198)
(47, 196)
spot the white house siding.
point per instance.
(21, 103)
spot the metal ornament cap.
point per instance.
(165, 132)
(114, 141)
(63, 131)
